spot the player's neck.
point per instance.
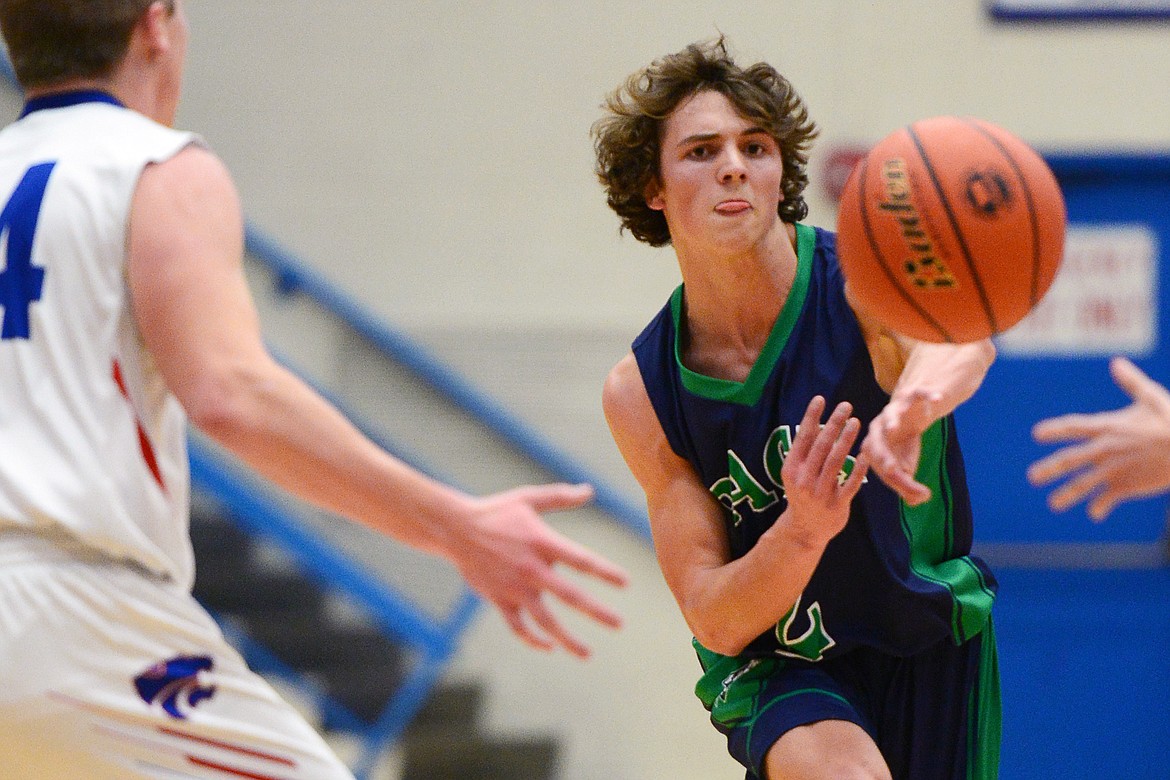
(70, 85)
(742, 290)
(140, 88)
(732, 302)
(125, 92)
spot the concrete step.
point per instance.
(458, 755)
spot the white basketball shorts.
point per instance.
(107, 673)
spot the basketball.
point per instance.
(950, 230)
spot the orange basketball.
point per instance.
(951, 229)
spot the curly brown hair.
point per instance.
(51, 41)
(627, 141)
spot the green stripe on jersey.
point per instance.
(929, 529)
(985, 714)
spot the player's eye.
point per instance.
(700, 153)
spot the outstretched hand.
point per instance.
(511, 558)
(818, 494)
(894, 442)
(1116, 455)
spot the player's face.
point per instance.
(720, 174)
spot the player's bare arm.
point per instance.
(198, 321)
(926, 381)
(1112, 456)
(728, 603)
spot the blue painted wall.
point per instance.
(1085, 669)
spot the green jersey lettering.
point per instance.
(812, 644)
(738, 485)
(779, 443)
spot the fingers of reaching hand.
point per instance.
(1139, 387)
(1115, 489)
(1069, 426)
(1096, 471)
(560, 549)
(1130, 378)
(529, 616)
(1103, 504)
(547, 621)
(580, 600)
(900, 479)
(530, 613)
(514, 617)
(895, 468)
(1062, 462)
(903, 483)
(1075, 490)
(553, 497)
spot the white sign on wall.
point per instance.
(1087, 9)
(1103, 301)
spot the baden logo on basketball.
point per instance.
(923, 267)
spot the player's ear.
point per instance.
(653, 195)
(153, 28)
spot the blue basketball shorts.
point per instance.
(934, 715)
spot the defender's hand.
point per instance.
(511, 560)
(1116, 455)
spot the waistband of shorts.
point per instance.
(25, 545)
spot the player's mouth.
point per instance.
(732, 207)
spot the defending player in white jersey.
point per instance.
(119, 237)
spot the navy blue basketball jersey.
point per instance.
(897, 578)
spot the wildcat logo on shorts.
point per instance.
(174, 685)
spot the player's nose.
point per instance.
(734, 166)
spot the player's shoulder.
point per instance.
(193, 168)
(662, 324)
(824, 247)
(622, 379)
(108, 125)
(115, 141)
(195, 159)
(624, 397)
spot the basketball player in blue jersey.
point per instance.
(125, 313)
(842, 626)
(1113, 456)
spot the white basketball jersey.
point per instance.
(92, 444)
